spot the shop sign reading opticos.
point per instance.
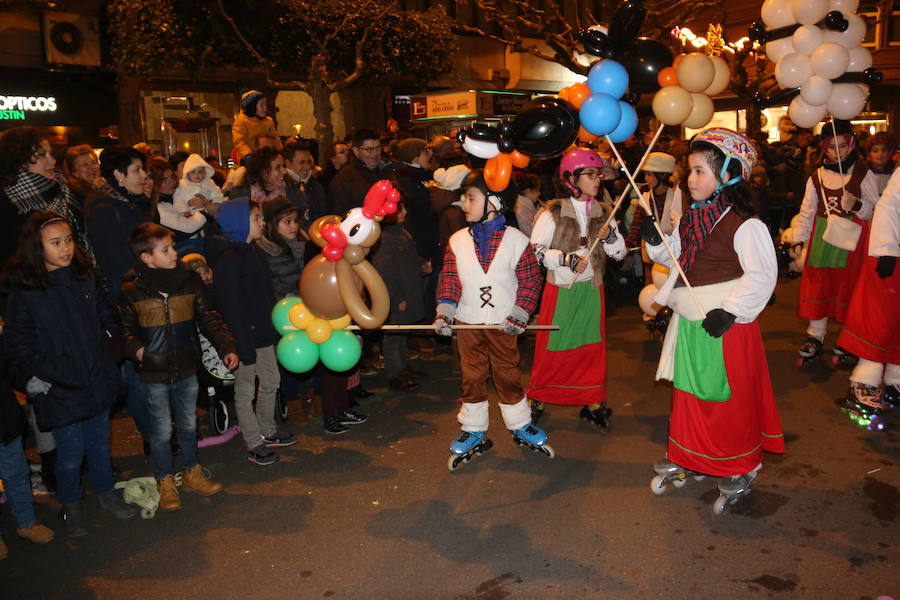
(14, 108)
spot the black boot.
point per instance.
(110, 502)
(73, 519)
(48, 466)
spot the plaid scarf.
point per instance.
(32, 192)
(694, 228)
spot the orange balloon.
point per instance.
(497, 171)
(678, 60)
(667, 77)
(578, 93)
(586, 137)
(564, 93)
(519, 160)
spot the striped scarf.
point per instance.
(694, 228)
(32, 192)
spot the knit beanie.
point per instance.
(234, 219)
(248, 102)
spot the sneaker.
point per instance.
(262, 455)
(278, 440)
(334, 426)
(37, 533)
(196, 479)
(169, 498)
(351, 417)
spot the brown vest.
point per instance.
(567, 236)
(717, 261)
(853, 186)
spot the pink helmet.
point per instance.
(582, 158)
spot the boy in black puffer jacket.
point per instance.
(161, 308)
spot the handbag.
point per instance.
(841, 232)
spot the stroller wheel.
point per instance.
(219, 417)
(281, 407)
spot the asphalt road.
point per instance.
(376, 514)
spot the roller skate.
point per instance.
(668, 472)
(537, 409)
(533, 437)
(843, 359)
(891, 396)
(599, 416)
(731, 489)
(466, 446)
(808, 350)
(864, 406)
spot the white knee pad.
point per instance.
(867, 373)
(473, 416)
(516, 416)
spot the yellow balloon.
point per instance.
(300, 316)
(696, 72)
(340, 322)
(319, 331)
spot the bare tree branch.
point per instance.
(360, 67)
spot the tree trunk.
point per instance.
(128, 92)
(322, 109)
(754, 119)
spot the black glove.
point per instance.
(648, 231)
(718, 321)
(885, 266)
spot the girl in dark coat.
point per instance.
(58, 327)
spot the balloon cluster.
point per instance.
(603, 112)
(819, 63)
(545, 127)
(686, 87)
(331, 286)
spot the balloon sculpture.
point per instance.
(331, 288)
(687, 87)
(819, 62)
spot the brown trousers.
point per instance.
(489, 352)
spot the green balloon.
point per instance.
(280, 314)
(341, 352)
(297, 353)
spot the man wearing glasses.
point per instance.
(348, 188)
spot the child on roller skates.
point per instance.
(872, 328)
(490, 277)
(570, 363)
(841, 187)
(723, 410)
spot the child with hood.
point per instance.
(196, 181)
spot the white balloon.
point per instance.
(807, 38)
(777, 49)
(847, 7)
(860, 59)
(830, 60)
(481, 148)
(854, 35)
(722, 78)
(816, 90)
(777, 13)
(846, 101)
(645, 300)
(809, 12)
(659, 273)
(793, 70)
(804, 114)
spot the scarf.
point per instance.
(846, 165)
(259, 195)
(695, 226)
(167, 281)
(481, 233)
(32, 192)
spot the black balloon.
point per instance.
(594, 41)
(835, 21)
(626, 23)
(480, 131)
(761, 102)
(504, 128)
(870, 76)
(632, 97)
(757, 32)
(506, 144)
(546, 127)
(643, 60)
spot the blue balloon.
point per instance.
(628, 123)
(600, 113)
(608, 77)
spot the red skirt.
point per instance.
(827, 292)
(727, 438)
(575, 377)
(872, 328)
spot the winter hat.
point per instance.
(275, 208)
(249, 100)
(234, 219)
(193, 161)
(451, 178)
(409, 149)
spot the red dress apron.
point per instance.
(872, 327)
(826, 292)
